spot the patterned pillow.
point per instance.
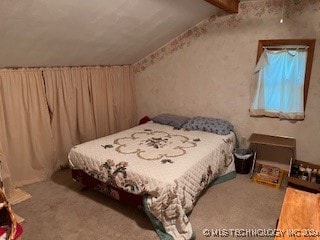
(171, 120)
(214, 125)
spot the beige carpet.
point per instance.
(59, 209)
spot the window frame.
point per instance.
(304, 42)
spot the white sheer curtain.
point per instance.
(279, 84)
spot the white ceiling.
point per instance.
(91, 32)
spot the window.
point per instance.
(282, 76)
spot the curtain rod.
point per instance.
(61, 67)
(293, 47)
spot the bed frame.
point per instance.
(114, 192)
(91, 178)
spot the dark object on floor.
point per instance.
(243, 159)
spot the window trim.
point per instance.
(304, 42)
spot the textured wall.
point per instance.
(83, 33)
(207, 71)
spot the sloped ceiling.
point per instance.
(97, 32)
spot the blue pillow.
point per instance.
(214, 125)
(172, 120)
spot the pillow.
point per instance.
(214, 125)
(171, 120)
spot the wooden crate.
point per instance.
(256, 179)
(302, 184)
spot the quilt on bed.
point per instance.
(171, 167)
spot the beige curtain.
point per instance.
(86, 103)
(102, 102)
(113, 99)
(122, 80)
(26, 138)
(69, 101)
(4, 170)
(44, 112)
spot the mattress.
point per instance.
(170, 167)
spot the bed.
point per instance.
(156, 167)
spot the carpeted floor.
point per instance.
(60, 210)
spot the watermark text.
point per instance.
(241, 232)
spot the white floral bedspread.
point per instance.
(171, 166)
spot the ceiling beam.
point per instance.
(230, 6)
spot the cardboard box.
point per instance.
(270, 150)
